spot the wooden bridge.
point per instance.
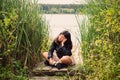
(41, 71)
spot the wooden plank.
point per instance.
(42, 70)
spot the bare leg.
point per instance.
(66, 60)
(45, 55)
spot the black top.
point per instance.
(60, 50)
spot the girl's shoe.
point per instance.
(46, 63)
(61, 65)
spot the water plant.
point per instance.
(100, 40)
(23, 34)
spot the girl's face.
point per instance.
(61, 37)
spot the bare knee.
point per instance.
(66, 57)
(66, 60)
(45, 54)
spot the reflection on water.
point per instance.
(60, 22)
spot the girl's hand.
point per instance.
(62, 43)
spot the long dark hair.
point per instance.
(68, 43)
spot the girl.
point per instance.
(62, 45)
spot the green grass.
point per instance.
(100, 40)
(23, 37)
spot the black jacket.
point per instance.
(60, 50)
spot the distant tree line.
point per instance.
(61, 9)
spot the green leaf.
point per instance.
(7, 21)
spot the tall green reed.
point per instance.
(100, 41)
(23, 35)
(31, 29)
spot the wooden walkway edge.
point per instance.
(42, 71)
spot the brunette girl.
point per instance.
(62, 45)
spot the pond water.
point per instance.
(59, 22)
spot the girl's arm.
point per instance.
(52, 48)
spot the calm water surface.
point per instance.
(60, 22)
